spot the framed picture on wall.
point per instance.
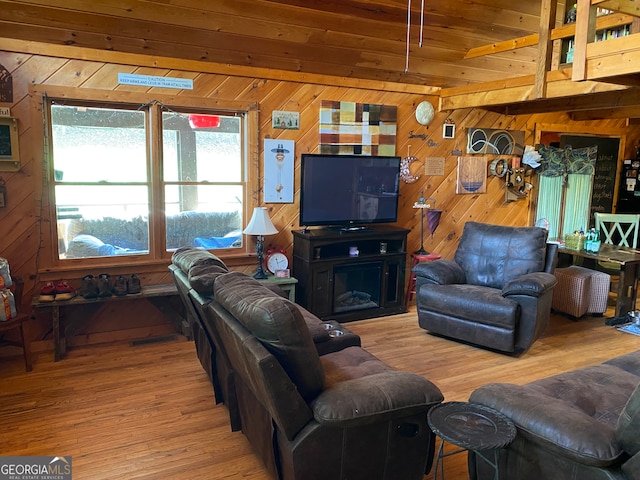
(285, 120)
(9, 147)
(278, 171)
(449, 130)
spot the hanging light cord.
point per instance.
(406, 62)
(421, 22)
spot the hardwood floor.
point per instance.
(147, 411)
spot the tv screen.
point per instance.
(348, 190)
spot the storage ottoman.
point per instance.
(580, 290)
(600, 285)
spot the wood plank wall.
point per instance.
(21, 219)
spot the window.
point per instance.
(131, 180)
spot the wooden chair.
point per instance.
(17, 323)
(617, 229)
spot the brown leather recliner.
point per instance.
(344, 414)
(497, 291)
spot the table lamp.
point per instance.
(260, 225)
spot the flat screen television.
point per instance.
(348, 191)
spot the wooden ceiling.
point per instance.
(354, 39)
(362, 39)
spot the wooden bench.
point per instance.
(159, 295)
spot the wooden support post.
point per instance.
(585, 33)
(545, 51)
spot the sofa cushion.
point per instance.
(491, 255)
(629, 362)
(187, 257)
(572, 414)
(376, 397)
(350, 363)
(631, 467)
(629, 424)
(277, 324)
(467, 300)
(202, 277)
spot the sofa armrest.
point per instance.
(631, 467)
(374, 398)
(553, 423)
(439, 272)
(532, 284)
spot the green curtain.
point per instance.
(571, 170)
(577, 207)
(549, 203)
(564, 161)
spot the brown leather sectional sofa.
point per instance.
(312, 405)
(320, 407)
(583, 424)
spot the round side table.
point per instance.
(470, 426)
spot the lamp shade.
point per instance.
(260, 223)
(433, 219)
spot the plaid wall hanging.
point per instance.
(350, 128)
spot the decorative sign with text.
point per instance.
(154, 81)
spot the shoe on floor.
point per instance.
(104, 285)
(120, 286)
(133, 285)
(48, 292)
(64, 291)
(89, 288)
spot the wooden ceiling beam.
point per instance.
(602, 113)
(513, 93)
(618, 99)
(558, 33)
(507, 45)
(629, 7)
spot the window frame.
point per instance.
(43, 96)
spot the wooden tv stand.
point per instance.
(336, 285)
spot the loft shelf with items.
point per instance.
(614, 26)
(607, 69)
(616, 57)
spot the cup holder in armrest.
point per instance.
(333, 330)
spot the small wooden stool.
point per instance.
(416, 258)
